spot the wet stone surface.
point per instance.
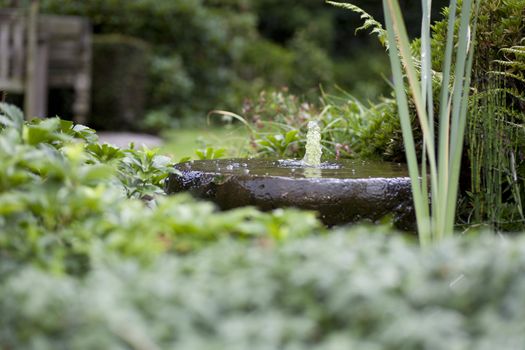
(341, 192)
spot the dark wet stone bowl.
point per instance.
(341, 192)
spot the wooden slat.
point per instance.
(18, 50)
(11, 51)
(40, 81)
(65, 53)
(83, 82)
(11, 85)
(59, 27)
(4, 50)
(39, 51)
(61, 80)
(31, 99)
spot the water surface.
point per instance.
(343, 169)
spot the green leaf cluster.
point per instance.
(348, 290)
(277, 122)
(63, 196)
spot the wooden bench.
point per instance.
(38, 52)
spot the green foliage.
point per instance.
(349, 129)
(443, 146)
(64, 196)
(210, 153)
(208, 50)
(359, 290)
(120, 81)
(495, 118)
(142, 172)
(170, 86)
(500, 26)
(496, 115)
(369, 22)
(157, 121)
(496, 144)
(278, 122)
(365, 74)
(372, 132)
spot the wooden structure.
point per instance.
(38, 52)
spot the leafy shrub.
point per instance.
(170, 85)
(313, 67)
(359, 290)
(64, 195)
(365, 74)
(119, 82)
(278, 124)
(500, 25)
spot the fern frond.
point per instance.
(369, 21)
(509, 75)
(515, 50)
(512, 64)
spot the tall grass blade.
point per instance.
(420, 201)
(435, 216)
(463, 100)
(426, 83)
(444, 176)
(398, 26)
(426, 59)
(444, 113)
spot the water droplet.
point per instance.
(229, 167)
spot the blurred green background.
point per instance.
(182, 58)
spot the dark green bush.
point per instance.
(365, 74)
(120, 82)
(359, 290)
(170, 85)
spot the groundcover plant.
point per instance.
(359, 289)
(63, 195)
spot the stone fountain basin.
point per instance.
(341, 192)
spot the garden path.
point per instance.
(123, 139)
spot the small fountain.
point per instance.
(342, 192)
(312, 156)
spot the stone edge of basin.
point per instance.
(338, 201)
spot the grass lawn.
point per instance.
(180, 143)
